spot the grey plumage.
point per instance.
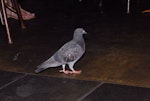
(69, 54)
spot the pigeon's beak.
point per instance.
(84, 32)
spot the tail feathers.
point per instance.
(39, 70)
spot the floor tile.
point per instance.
(43, 88)
(111, 92)
(8, 77)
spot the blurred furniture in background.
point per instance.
(127, 6)
(16, 9)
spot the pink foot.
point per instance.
(64, 71)
(75, 72)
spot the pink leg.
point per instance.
(71, 64)
(63, 70)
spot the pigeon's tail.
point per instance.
(39, 70)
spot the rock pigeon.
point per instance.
(68, 54)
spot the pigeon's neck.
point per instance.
(78, 38)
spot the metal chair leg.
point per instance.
(128, 6)
(19, 13)
(1, 16)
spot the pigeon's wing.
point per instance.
(71, 51)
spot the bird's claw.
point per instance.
(75, 72)
(71, 72)
(65, 71)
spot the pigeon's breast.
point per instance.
(81, 44)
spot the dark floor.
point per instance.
(117, 53)
(27, 87)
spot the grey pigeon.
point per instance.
(69, 54)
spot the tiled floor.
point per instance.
(27, 87)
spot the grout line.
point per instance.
(12, 82)
(88, 93)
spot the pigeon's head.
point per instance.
(80, 31)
